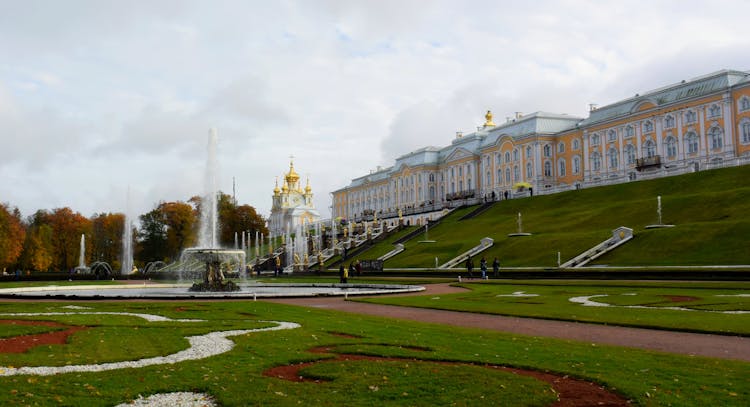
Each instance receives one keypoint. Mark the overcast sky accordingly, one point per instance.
(96, 96)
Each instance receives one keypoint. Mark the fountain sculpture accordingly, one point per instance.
(659, 223)
(520, 228)
(216, 263)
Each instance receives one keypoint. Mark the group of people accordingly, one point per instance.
(483, 267)
(344, 272)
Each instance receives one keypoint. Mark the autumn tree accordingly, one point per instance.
(12, 236)
(37, 248)
(106, 237)
(236, 219)
(67, 228)
(166, 231)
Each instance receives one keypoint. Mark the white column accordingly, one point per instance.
(728, 124)
(620, 146)
(703, 147)
(657, 128)
(537, 176)
(680, 145)
(586, 168)
(638, 152)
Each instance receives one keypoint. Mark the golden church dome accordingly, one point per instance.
(291, 177)
(308, 190)
(285, 188)
(276, 190)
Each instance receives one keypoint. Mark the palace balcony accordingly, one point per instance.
(647, 162)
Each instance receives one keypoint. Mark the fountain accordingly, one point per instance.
(520, 228)
(216, 263)
(426, 234)
(659, 223)
(127, 241)
(82, 269)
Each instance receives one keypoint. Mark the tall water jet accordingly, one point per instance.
(207, 238)
(82, 253)
(127, 240)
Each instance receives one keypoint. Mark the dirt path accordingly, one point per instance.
(717, 346)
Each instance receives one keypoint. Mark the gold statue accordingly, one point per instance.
(488, 118)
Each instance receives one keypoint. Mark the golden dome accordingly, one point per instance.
(276, 190)
(308, 190)
(285, 187)
(291, 177)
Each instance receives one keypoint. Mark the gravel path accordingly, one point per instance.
(718, 346)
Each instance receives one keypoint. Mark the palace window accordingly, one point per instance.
(596, 161)
(515, 155)
(516, 174)
(547, 150)
(487, 161)
(649, 149)
(561, 168)
(648, 126)
(460, 185)
(576, 165)
(668, 121)
(561, 147)
(690, 116)
(611, 135)
(612, 158)
(498, 159)
(714, 111)
(745, 131)
(630, 154)
(528, 171)
(547, 169)
(744, 103)
(460, 171)
(487, 180)
(716, 137)
(507, 175)
(576, 145)
(692, 142)
(595, 140)
(507, 157)
(528, 152)
(629, 131)
(671, 143)
(499, 176)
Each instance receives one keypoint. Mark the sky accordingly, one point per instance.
(98, 98)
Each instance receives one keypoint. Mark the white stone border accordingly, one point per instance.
(201, 346)
(181, 399)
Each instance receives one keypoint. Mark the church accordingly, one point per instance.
(292, 206)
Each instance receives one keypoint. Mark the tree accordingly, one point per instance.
(67, 228)
(236, 219)
(152, 237)
(37, 248)
(12, 236)
(106, 237)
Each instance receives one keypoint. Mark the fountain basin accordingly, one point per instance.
(180, 291)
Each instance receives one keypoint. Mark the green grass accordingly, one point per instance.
(10, 330)
(235, 378)
(709, 209)
(553, 302)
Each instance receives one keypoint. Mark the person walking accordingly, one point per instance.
(470, 267)
(483, 267)
(358, 266)
(341, 273)
(495, 267)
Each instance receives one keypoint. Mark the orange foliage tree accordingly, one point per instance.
(12, 235)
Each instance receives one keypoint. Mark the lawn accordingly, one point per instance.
(685, 306)
(413, 375)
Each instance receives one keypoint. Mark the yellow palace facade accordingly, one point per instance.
(689, 126)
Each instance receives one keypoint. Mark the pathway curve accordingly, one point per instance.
(717, 346)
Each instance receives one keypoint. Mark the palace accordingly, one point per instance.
(291, 206)
(689, 126)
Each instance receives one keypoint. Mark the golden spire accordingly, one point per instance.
(285, 188)
(308, 190)
(292, 177)
(276, 190)
(488, 118)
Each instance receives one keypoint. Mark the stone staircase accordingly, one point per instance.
(484, 244)
(620, 236)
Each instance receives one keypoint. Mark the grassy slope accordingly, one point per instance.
(710, 210)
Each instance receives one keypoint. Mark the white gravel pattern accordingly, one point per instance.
(147, 317)
(201, 346)
(518, 294)
(587, 302)
(180, 399)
